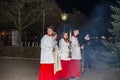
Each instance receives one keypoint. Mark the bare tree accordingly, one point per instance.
(24, 13)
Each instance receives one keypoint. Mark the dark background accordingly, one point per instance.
(85, 6)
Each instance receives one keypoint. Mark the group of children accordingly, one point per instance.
(63, 62)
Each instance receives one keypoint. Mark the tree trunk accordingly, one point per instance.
(20, 41)
(19, 38)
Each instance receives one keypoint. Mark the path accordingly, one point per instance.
(20, 69)
(28, 70)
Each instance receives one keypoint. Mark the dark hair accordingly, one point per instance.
(64, 33)
(75, 29)
(49, 27)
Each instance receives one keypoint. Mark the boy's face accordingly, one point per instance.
(65, 35)
(49, 31)
(76, 32)
(87, 35)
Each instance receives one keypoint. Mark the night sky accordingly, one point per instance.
(98, 12)
(85, 6)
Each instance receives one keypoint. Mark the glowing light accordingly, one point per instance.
(64, 16)
(3, 33)
(103, 37)
(96, 37)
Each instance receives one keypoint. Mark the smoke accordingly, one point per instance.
(97, 26)
(99, 20)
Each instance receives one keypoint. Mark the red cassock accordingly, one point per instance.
(75, 69)
(65, 72)
(46, 72)
(57, 75)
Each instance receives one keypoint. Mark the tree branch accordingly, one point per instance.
(10, 16)
(34, 20)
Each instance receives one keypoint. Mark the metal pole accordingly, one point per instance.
(64, 26)
(43, 21)
(83, 64)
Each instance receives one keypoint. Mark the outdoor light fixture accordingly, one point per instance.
(64, 17)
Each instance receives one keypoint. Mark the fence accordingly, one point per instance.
(30, 44)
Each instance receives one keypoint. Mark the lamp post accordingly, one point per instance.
(43, 21)
(64, 17)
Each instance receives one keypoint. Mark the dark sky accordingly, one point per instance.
(85, 6)
(98, 12)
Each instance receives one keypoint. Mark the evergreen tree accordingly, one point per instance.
(113, 55)
(116, 21)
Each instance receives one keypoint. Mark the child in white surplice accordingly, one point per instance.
(75, 71)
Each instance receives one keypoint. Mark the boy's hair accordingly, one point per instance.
(49, 27)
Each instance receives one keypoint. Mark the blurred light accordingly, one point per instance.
(103, 37)
(115, 49)
(64, 16)
(3, 33)
(96, 37)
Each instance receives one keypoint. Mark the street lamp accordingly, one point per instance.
(64, 17)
